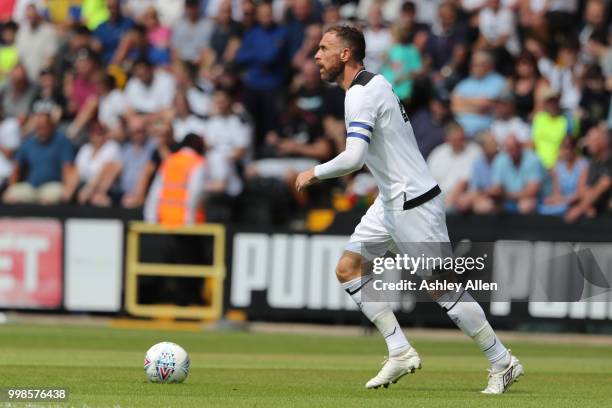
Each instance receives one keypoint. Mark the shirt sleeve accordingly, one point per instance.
(497, 171)
(360, 113)
(534, 170)
(66, 152)
(350, 160)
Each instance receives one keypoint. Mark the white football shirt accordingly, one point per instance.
(374, 113)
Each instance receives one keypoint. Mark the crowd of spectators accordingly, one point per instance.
(509, 99)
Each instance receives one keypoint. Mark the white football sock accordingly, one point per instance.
(380, 314)
(470, 318)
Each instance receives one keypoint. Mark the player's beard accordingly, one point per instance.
(332, 73)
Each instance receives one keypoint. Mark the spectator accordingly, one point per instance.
(111, 106)
(90, 161)
(568, 178)
(428, 123)
(199, 100)
(164, 147)
(185, 122)
(309, 47)
(17, 95)
(226, 34)
(79, 38)
(169, 11)
(506, 122)
(49, 99)
(402, 64)
(563, 74)
(390, 9)
(378, 39)
(517, 177)
(473, 99)
(37, 43)
(227, 131)
(301, 15)
(595, 197)
(149, 90)
(263, 53)
(595, 99)
(498, 34)
(192, 34)
(476, 197)
(110, 33)
(176, 193)
(9, 54)
(549, 129)
(595, 30)
(9, 142)
(81, 91)
(526, 84)
(446, 47)
(134, 156)
(44, 162)
(158, 38)
(451, 163)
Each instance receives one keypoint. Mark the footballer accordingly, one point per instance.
(408, 209)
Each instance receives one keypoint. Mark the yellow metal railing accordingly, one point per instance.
(213, 275)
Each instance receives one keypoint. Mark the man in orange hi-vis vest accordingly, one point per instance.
(175, 197)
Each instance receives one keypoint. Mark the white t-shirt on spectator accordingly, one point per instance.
(494, 24)
(168, 11)
(226, 133)
(89, 164)
(36, 47)
(390, 9)
(9, 139)
(151, 99)
(111, 108)
(221, 168)
(19, 9)
(449, 168)
(562, 80)
(191, 124)
(377, 43)
(199, 101)
(515, 126)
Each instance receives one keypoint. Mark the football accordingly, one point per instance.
(166, 362)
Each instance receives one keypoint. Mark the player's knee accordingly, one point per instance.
(348, 268)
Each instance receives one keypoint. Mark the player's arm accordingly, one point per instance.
(361, 112)
(350, 160)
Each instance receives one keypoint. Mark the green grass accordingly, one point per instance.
(103, 368)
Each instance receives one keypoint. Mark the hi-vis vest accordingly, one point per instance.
(175, 173)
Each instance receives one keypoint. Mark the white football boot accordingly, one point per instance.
(395, 368)
(501, 380)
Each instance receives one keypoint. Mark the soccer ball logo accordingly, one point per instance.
(166, 363)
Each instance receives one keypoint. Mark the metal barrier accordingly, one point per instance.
(213, 274)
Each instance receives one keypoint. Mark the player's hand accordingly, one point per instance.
(305, 179)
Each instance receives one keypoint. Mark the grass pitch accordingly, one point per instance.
(102, 367)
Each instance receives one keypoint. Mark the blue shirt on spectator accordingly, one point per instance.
(134, 158)
(514, 179)
(264, 53)
(482, 174)
(44, 162)
(109, 34)
(489, 86)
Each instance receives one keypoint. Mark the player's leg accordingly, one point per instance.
(427, 223)
(350, 276)
(370, 240)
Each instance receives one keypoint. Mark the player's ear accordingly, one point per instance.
(345, 54)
